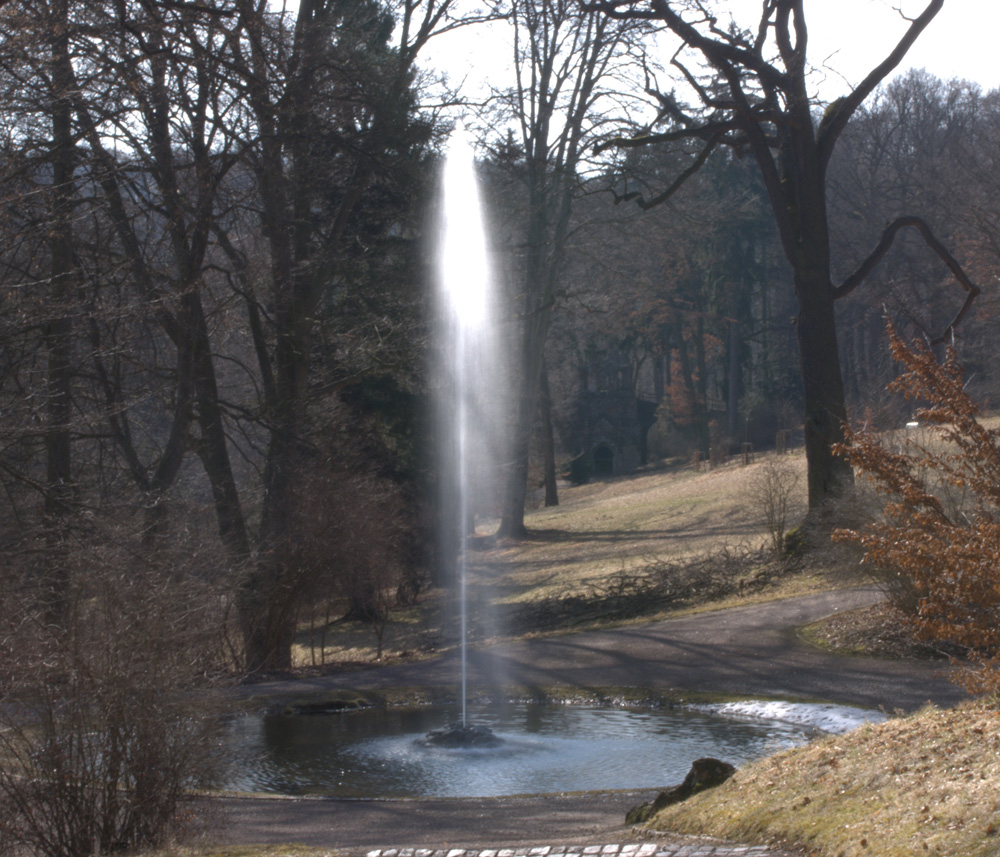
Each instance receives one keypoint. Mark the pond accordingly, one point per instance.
(546, 748)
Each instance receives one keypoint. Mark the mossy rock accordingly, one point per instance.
(705, 774)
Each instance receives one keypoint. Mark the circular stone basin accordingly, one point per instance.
(545, 748)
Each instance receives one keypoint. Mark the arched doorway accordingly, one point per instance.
(604, 460)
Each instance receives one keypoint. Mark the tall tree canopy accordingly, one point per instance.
(760, 104)
(568, 69)
(191, 195)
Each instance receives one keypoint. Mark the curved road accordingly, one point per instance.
(753, 650)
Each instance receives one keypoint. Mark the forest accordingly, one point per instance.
(216, 268)
(216, 265)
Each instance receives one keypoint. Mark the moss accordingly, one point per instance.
(795, 543)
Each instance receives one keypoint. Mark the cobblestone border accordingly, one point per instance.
(630, 850)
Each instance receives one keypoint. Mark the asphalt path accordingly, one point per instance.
(355, 826)
(752, 651)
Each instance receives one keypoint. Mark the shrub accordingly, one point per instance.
(101, 739)
(354, 557)
(940, 530)
(769, 491)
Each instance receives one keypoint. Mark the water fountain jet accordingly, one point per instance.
(471, 368)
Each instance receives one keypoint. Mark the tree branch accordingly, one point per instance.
(678, 183)
(837, 118)
(717, 51)
(888, 236)
(710, 131)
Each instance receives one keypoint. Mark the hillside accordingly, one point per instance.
(625, 549)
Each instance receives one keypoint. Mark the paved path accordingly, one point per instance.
(701, 848)
(750, 650)
(582, 825)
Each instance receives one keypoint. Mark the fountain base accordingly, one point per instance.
(461, 735)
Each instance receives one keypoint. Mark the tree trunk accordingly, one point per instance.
(58, 329)
(516, 491)
(213, 448)
(537, 316)
(822, 387)
(267, 610)
(697, 418)
(735, 381)
(548, 442)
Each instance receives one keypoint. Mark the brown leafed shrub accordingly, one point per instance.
(941, 524)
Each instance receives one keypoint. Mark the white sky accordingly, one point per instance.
(849, 37)
(854, 35)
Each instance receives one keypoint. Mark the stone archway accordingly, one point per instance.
(604, 460)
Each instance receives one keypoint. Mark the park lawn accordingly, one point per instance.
(927, 784)
(599, 530)
(922, 785)
(675, 514)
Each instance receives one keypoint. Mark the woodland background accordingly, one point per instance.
(216, 265)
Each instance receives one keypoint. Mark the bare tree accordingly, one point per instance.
(566, 63)
(333, 108)
(927, 145)
(186, 338)
(761, 105)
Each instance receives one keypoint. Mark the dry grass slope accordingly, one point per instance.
(602, 532)
(928, 784)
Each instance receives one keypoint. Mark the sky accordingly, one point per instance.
(854, 35)
(848, 37)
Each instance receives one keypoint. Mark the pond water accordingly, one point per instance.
(546, 748)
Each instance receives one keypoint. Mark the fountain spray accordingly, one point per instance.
(465, 287)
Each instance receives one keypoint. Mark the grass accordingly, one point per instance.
(600, 532)
(928, 784)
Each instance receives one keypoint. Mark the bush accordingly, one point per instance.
(100, 737)
(770, 490)
(940, 530)
(354, 558)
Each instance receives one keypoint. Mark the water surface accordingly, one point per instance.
(547, 748)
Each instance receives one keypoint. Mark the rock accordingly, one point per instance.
(459, 735)
(704, 774)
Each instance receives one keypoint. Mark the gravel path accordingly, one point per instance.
(752, 650)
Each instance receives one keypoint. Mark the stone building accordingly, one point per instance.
(610, 421)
